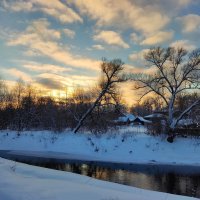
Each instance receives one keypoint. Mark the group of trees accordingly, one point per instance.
(174, 81)
(23, 108)
(177, 72)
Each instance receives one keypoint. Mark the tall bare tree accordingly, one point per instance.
(18, 91)
(176, 71)
(111, 75)
(3, 93)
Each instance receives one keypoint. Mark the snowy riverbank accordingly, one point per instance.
(129, 145)
(24, 182)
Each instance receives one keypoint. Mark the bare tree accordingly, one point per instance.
(111, 75)
(176, 71)
(3, 94)
(18, 91)
(78, 104)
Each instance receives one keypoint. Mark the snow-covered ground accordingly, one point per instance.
(23, 182)
(129, 145)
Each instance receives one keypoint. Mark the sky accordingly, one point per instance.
(59, 44)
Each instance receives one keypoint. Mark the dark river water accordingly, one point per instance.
(182, 180)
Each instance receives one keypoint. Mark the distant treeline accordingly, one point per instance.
(23, 108)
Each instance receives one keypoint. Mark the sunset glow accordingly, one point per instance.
(59, 44)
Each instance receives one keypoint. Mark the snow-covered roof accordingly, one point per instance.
(130, 116)
(143, 120)
(186, 122)
(154, 115)
(126, 117)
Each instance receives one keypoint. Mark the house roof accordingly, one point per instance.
(187, 122)
(143, 120)
(126, 117)
(157, 115)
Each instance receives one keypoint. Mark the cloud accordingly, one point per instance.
(158, 38)
(53, 8)
(138, 55)
(41, 27)
(50, 83)
(18, 6)
(60, 80)
(169, 5)
(189, 23)
(18, 74)
(65, 81)
(183, 3)
(84, 80)
(143, 17)
(138, 59)
(59, 11)
(183, 43)
(137, 70)
(38, 67)
(98, 47)
(111, 38)
(38, 31)
(70, 33)
(136, 38)
(44, 44)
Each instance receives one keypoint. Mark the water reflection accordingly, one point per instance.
(170, 182)
(181, 180)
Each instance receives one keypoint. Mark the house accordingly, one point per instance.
(125, 119)
(155, 116)
(129, 118)
(189, 123)
(141, 120)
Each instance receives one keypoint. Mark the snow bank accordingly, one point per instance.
(128, 145)
(24, 182)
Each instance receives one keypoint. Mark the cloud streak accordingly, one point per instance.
(189, 23)
(18, 74)
(54, 8)
(143, 17)
(111, 38)
(39, 67)
(158, 38)
(70, 33)
(44, 43)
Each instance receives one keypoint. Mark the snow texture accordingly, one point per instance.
(112, 147)
(24, 182)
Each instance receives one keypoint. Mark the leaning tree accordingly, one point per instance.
(110, 77)
(176, 71)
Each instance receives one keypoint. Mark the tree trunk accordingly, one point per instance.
(171, 110)
(89, 111)
(175, 121)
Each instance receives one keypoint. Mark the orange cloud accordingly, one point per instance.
(18, 74)
(143, 17)
(70, 33)
(98, 47)
(111, 38)
(189, 23)
(44, 43)
(53, 8)
(38, 67)
(158, 38)
(183, 43)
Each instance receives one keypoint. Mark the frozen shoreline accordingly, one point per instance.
(20, 181)
(25, 182)
(123, 147)
(78, 157)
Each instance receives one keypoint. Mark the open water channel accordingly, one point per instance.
(182, 180)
